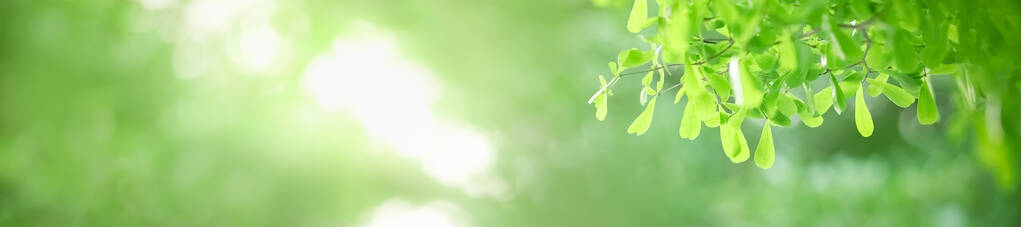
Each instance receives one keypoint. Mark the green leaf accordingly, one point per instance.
(841, 97)
(735, 146)
(743, 154)
(727, 11)
(690, 124)
(719, 84)
(934, 34)
(876, 85)
(780, 119)
(633, 57)
(898, 96)
(706, 107)
(680, 94)
(928, 113)
(677, 32)
(809, 119)
(764, 152)
(878, 56)
(644, 120)
(650, 91)
(601, 106)
(823, 100)
(788, 53)
(751, 87)
(844, 47)
(613, 69)
(787, 105)
(639, 15)
(600, 101)
(862, 117)
(905, 58)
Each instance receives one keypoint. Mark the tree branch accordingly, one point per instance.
(710, 58)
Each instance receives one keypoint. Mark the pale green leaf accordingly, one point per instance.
(862, 117)
(690, 124)
(644, 120)
(840, 95)
(787, 105)
(633, 57)
(734, 144)
(877, 84)
(898, 95)
(680, 94)
(764, 153)
(788, 53)
(928, 113)
(677, 32)
(639, 15)
(823, 100)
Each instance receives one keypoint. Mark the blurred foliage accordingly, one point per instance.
(145, 114)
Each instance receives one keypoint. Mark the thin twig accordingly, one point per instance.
(669, 88)
(717, 54)
(714, 56)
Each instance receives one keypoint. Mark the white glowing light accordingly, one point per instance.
(400, 213)
(259, 47)
(735, 80)
(157, 4)
(852, 24)
(392, 98)
(207, 15)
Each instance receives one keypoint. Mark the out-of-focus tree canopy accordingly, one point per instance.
(429, 113)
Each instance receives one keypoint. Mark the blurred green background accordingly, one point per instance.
(413, 113)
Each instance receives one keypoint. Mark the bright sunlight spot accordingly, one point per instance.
(392, 97)
(399, 213)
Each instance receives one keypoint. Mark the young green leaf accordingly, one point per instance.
(934, 34)
(898, 95)
(743, 154)
(823, 100)
(845, 49)
(734, 144)
(787, 105)
(680, 94)
(600, 104)
(905, 59)
(809, 119)
(764, 152)
(928, 113)
(878, 56)
(639, 15)
(727, 11)
(705, 107)
(876, 85)
(839, 93)
(862, 117)
(788, 53)
(677, 31)
(747, 88)
(644, 120)
(719, 85)
(690, 125)
(633, 57)
(600, 100)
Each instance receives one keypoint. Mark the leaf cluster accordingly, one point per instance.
(786, 61)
